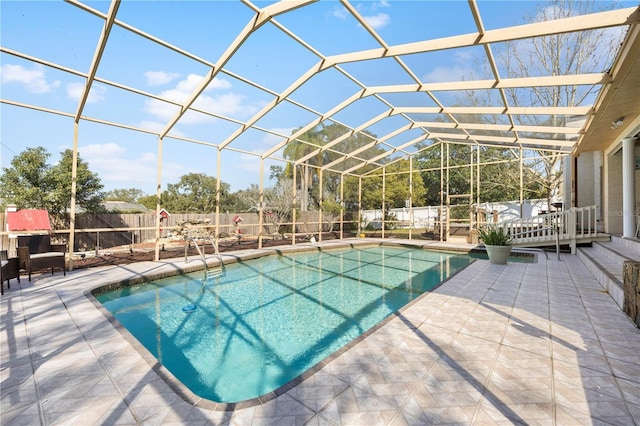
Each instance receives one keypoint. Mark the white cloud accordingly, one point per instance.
(219, 84)
(158, 126)
(186, 87)
(378, 5)
(368, 12)
(373, 16)
(340, 12)
(101, 150)
(251, 163)
(157, 78)
(96, 94)
(155, 126)
(440, 74)
(378, 21)
(228, 103)
(33, 80)
(117, 170)
(271, 140)
(459, 71)
(463, 56)
(160, 110)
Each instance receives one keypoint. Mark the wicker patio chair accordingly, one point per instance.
(35, 253)
(9, 269)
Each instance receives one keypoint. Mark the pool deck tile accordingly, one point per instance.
(537, 343)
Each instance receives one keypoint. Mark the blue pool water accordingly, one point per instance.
(266, 321)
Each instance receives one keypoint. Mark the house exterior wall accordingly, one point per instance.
(585, 184)
(598, 181)
(597, 186)
(613, 185)
(637, 180)
(568, 181)
(584, 187)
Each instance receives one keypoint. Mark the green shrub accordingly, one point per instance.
(494, 236)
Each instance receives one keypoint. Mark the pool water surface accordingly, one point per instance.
(265, 321)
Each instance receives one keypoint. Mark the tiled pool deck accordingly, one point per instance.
(523, 343)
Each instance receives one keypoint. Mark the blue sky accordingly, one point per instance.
(64, 34)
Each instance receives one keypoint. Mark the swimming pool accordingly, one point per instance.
(268, 320)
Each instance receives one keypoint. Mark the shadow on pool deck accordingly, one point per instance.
(529, 343)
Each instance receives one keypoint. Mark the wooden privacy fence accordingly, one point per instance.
(106, 230)
(111, 230)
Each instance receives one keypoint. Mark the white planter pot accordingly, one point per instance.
(498, 254)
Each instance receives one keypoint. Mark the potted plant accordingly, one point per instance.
(497, 242)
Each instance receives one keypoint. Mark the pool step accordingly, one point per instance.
(213, 273)
(605, 260)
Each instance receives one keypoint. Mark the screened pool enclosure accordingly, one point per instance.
(344, 101)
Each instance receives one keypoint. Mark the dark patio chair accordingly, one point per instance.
(35, 252)
(9, 269)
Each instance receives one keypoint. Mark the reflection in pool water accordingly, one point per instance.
(267, 320)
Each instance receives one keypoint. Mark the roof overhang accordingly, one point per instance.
(618, 100)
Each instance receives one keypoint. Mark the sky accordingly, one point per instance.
(64, 34)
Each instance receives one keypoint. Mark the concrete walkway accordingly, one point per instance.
(533, 343)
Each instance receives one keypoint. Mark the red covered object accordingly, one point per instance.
(28, 220)
(163, 214)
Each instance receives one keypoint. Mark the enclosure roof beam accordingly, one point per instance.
(504, 83)
(505, 139)
(499, 127)
(571, 111)
(97, 56)
(363, 148)
(591, 21)
(344, 136)
(412, 142)
(262, 17)
(346, 102)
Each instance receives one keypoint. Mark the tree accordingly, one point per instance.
(499, 180)
(559, 54)
(298, 148)
(130, 195)
(149, 201)
(397, 186)
(31, 183)
(233, 202)
(278, 202)
(89, 195)
(248, 199)
(27, 183)
(396, 189)
(308, 178)
(277, 173)
(194, 192)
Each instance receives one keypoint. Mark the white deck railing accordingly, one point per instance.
(562, 227)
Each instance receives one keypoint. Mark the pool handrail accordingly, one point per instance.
(202, 255)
